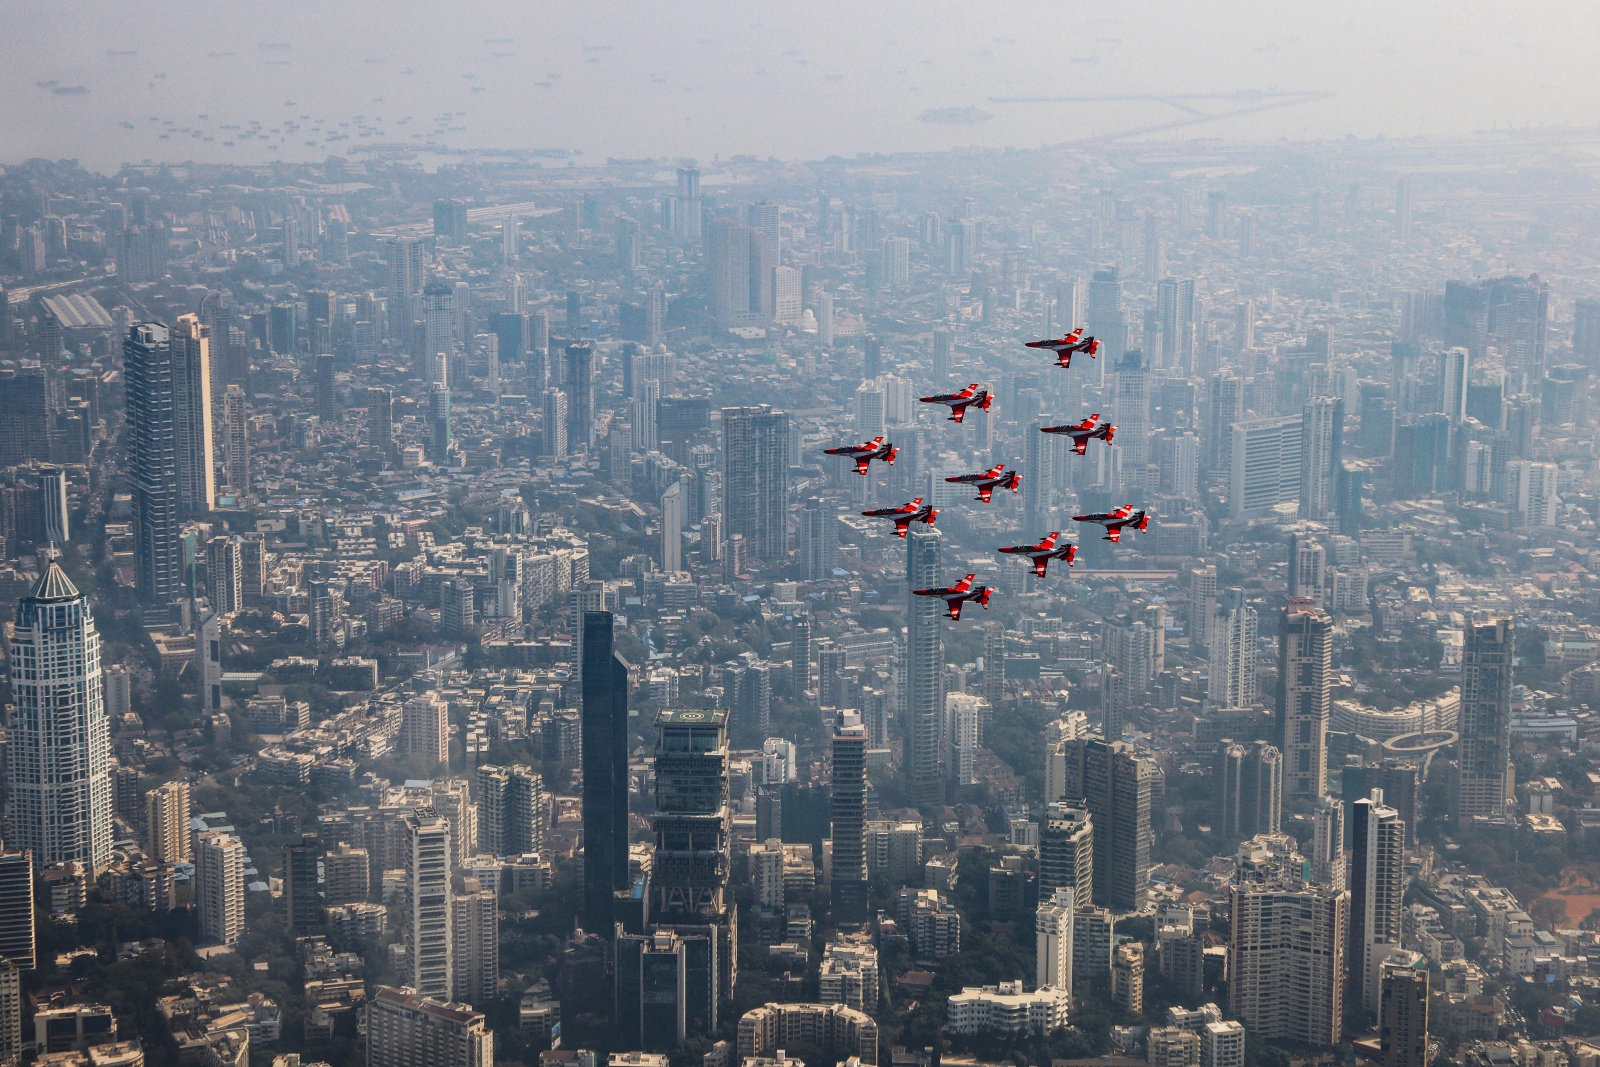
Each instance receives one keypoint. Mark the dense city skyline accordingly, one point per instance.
(1132, 597)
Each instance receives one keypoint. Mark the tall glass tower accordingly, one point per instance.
(59, 750)
(605, 772)
(153, 463)
(924, 667)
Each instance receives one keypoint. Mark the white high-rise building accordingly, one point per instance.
(408, 1030)
(555, 424)
(1377, 893)
(965, 714)
(1286, 959)
(786, 295)
(219, 887)
(1321, 456)
(766, 875)
(58, 751)
(1052, 926)
(1265, 465)
(1531, 492)
(1222, 1044)
(430, 932)
(425, 728)
(167, 821)
(870, 409)
(1232, 681)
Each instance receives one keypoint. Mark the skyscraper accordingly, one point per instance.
(1265, 460)
(1066, 851)
(1455, 371)
(924, 668)
(1248, 780)
(1327, 843)
(440, 433)
(10, 1006)
(1305, 694)
(1232, 679)
(1106, 319)
(475, 917)
(1377, 894)
(555, 423)
(430, 941)
(579, 387)
(1175, 310)
(224, 575)
(191, 391)
(848, 820)
(1403, 1010)
(1321, 456)
(1483, 779)
(1052, 926)
(510, 810)
(1133, 417)
(380, 419)
(425, 729)
(302, 885)
(58, 750)
(18, 940)
(219, 887)
(167, 822)
(1131, 655)
(944, 344)
(818, 540)
(755, 479)
(1114, 785)
(236, 442)
(153, 462)
(605, 771)
(728, 273)
(689, 895)
(405, 1028)
(1286, 959)
(405, 285)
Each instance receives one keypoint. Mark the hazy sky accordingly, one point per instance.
(798, 80)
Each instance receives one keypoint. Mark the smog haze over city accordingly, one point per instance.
(799, 535)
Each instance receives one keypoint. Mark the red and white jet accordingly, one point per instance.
(864, 454)
(1064, 347)
(1084, 432)
(990, 480)
(1116, 521)
(905, 515)
(956, 595)
(958, 403)
(1042, 553)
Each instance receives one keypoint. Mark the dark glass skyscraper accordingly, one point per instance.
(580, 396)
(302, 884)
(1114, 785)
(153, 463)
(849, 815)
(605, 771)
